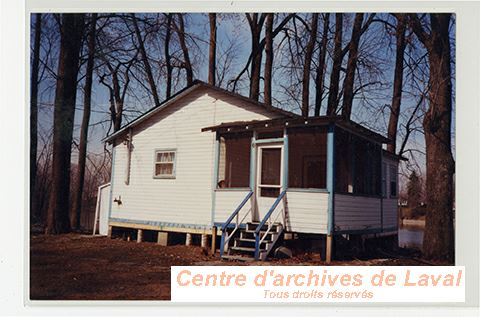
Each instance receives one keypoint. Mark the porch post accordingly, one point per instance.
(285, 160)
(331, 189)
(216, 160)
(253, 160)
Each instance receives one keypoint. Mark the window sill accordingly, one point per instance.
(307, 190)
(165, 177)
(236, 189)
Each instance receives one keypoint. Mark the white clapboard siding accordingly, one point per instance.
(307, 212)
(356, 212)
(226, 201)
(390, 209)
(187, 199)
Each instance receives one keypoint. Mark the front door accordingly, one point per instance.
(269, 178)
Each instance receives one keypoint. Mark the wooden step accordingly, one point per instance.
(244, 249)
(238, 258)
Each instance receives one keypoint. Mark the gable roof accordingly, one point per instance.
(185, 91)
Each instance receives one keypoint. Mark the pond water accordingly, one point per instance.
(410, 237)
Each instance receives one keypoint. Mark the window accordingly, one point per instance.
(393, 181)
(234, 161)
(165, 164)
(307, 157)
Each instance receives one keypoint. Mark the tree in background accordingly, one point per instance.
(34, 112)
(414, 190)
(438, 239)
(82, 147)
(212, 52)
(71, 35)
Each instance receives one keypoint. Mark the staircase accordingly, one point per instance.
(243, 248)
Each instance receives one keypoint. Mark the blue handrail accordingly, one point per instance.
(229, 220)
(264, 220)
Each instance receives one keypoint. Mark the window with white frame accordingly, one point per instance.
(165, 163)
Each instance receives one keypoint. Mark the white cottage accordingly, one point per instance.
(209, 159)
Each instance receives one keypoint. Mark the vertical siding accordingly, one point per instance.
(226, 201)
(307, 212)
(186, 199)
(356, 213)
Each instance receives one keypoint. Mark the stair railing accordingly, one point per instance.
(225, 236)
(258, 238)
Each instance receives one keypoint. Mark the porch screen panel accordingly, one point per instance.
(357, 164)
(234, 161)
(307, 157)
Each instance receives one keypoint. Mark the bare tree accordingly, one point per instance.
(82, 148)
(307, 63)
(255, 21)
(34, 111)
(321, 67)
(336, 66)
(71, 31)
(349, 81)
(397, 82)
(168, 58)
(146, 62)
(267, 73)
(212, 53)
(438, 240)
(187, 64)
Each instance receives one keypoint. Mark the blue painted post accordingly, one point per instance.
(257, 246)
(253, 154)
(253, 168)
(330, 188)
(285, 160)
(215, 175)
(381, 187)
(330, 175)
(222, 242)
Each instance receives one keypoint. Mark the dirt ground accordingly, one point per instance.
(83, 267)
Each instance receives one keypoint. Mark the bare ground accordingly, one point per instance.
(82, 267)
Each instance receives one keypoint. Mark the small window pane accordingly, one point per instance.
(271, 159)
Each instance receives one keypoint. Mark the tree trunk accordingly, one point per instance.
(146, 62)
(320, 74)
(306, 65)
(82, 149)
(65, 96)
(168, 61)
(267, 74)
(336, 66)
(34, 114)
(256, 25)
(349, 81)
(213, 48)
(397, 83)
(438, 240)
(186, 56)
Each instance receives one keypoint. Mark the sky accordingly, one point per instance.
(233, 32)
